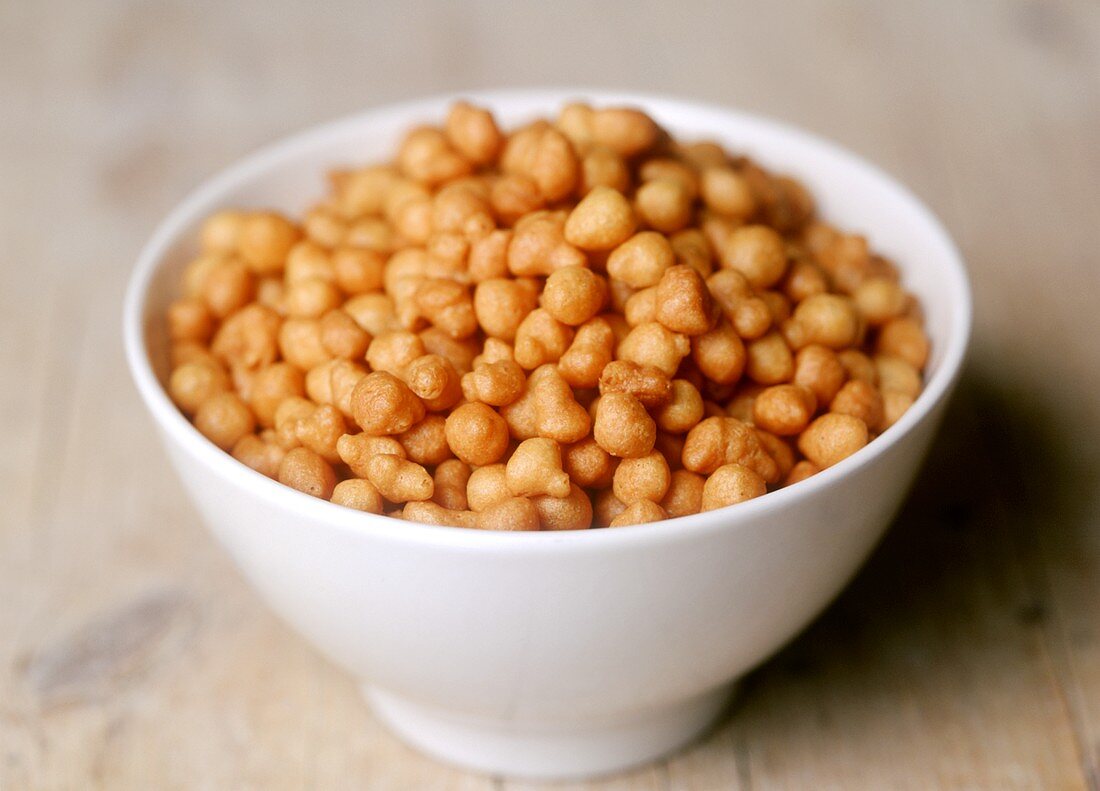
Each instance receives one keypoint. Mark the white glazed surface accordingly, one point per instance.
(558, 654)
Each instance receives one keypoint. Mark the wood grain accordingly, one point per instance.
(965, 655)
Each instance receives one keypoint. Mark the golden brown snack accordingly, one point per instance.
(451, 479)
(639, 513)
(431, 513)
(819, 369)
(685, 493)
(769, 360)
(588, 465)
(398, 479)
(578, 322)
(495, 383)
(622, 426)
(832, 438)
(603, 167)
(643, 478)
(641, 260)
(904, 338)
(718, 441)
(434, 380)
(654, 344)
(355, 450)
(682, 410)
(683, 302)
(270, 387)
(189, 319)
(264, 457)
(358, 494)
(514, 513)
(603, 220)
(573, 294)
(801, 471)
(426, 442)
(726, 191)
(649, 385)
(383, 404)
(224, 418)
(304, 470)
(535, 468)
(605, 507)
(501, 304)
(664, 204)
(573, 512)
(193, 383)
(473, 132)
(544, 155)
(731, 484)
(829, 319)
(487, 486)
(860, 399)
(784, 409)
(592, 349)
(477, 434)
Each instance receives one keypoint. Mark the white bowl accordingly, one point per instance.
(557, 654)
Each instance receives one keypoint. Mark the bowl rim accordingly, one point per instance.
(173, 423)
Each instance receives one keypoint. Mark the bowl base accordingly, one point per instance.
(547, 753)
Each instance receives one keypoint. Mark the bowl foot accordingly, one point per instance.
(546, 752)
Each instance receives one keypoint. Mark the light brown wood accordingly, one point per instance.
(965, 655)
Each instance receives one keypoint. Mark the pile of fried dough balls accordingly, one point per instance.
(579, 323)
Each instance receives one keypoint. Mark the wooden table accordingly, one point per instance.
(966, 654)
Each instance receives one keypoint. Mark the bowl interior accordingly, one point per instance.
(849, 193)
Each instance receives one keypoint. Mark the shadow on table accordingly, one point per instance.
(961, 580)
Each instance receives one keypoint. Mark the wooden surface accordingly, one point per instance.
(965, 655)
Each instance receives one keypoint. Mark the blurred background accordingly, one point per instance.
(967, 653)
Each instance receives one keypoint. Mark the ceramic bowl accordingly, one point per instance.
(557, 654)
